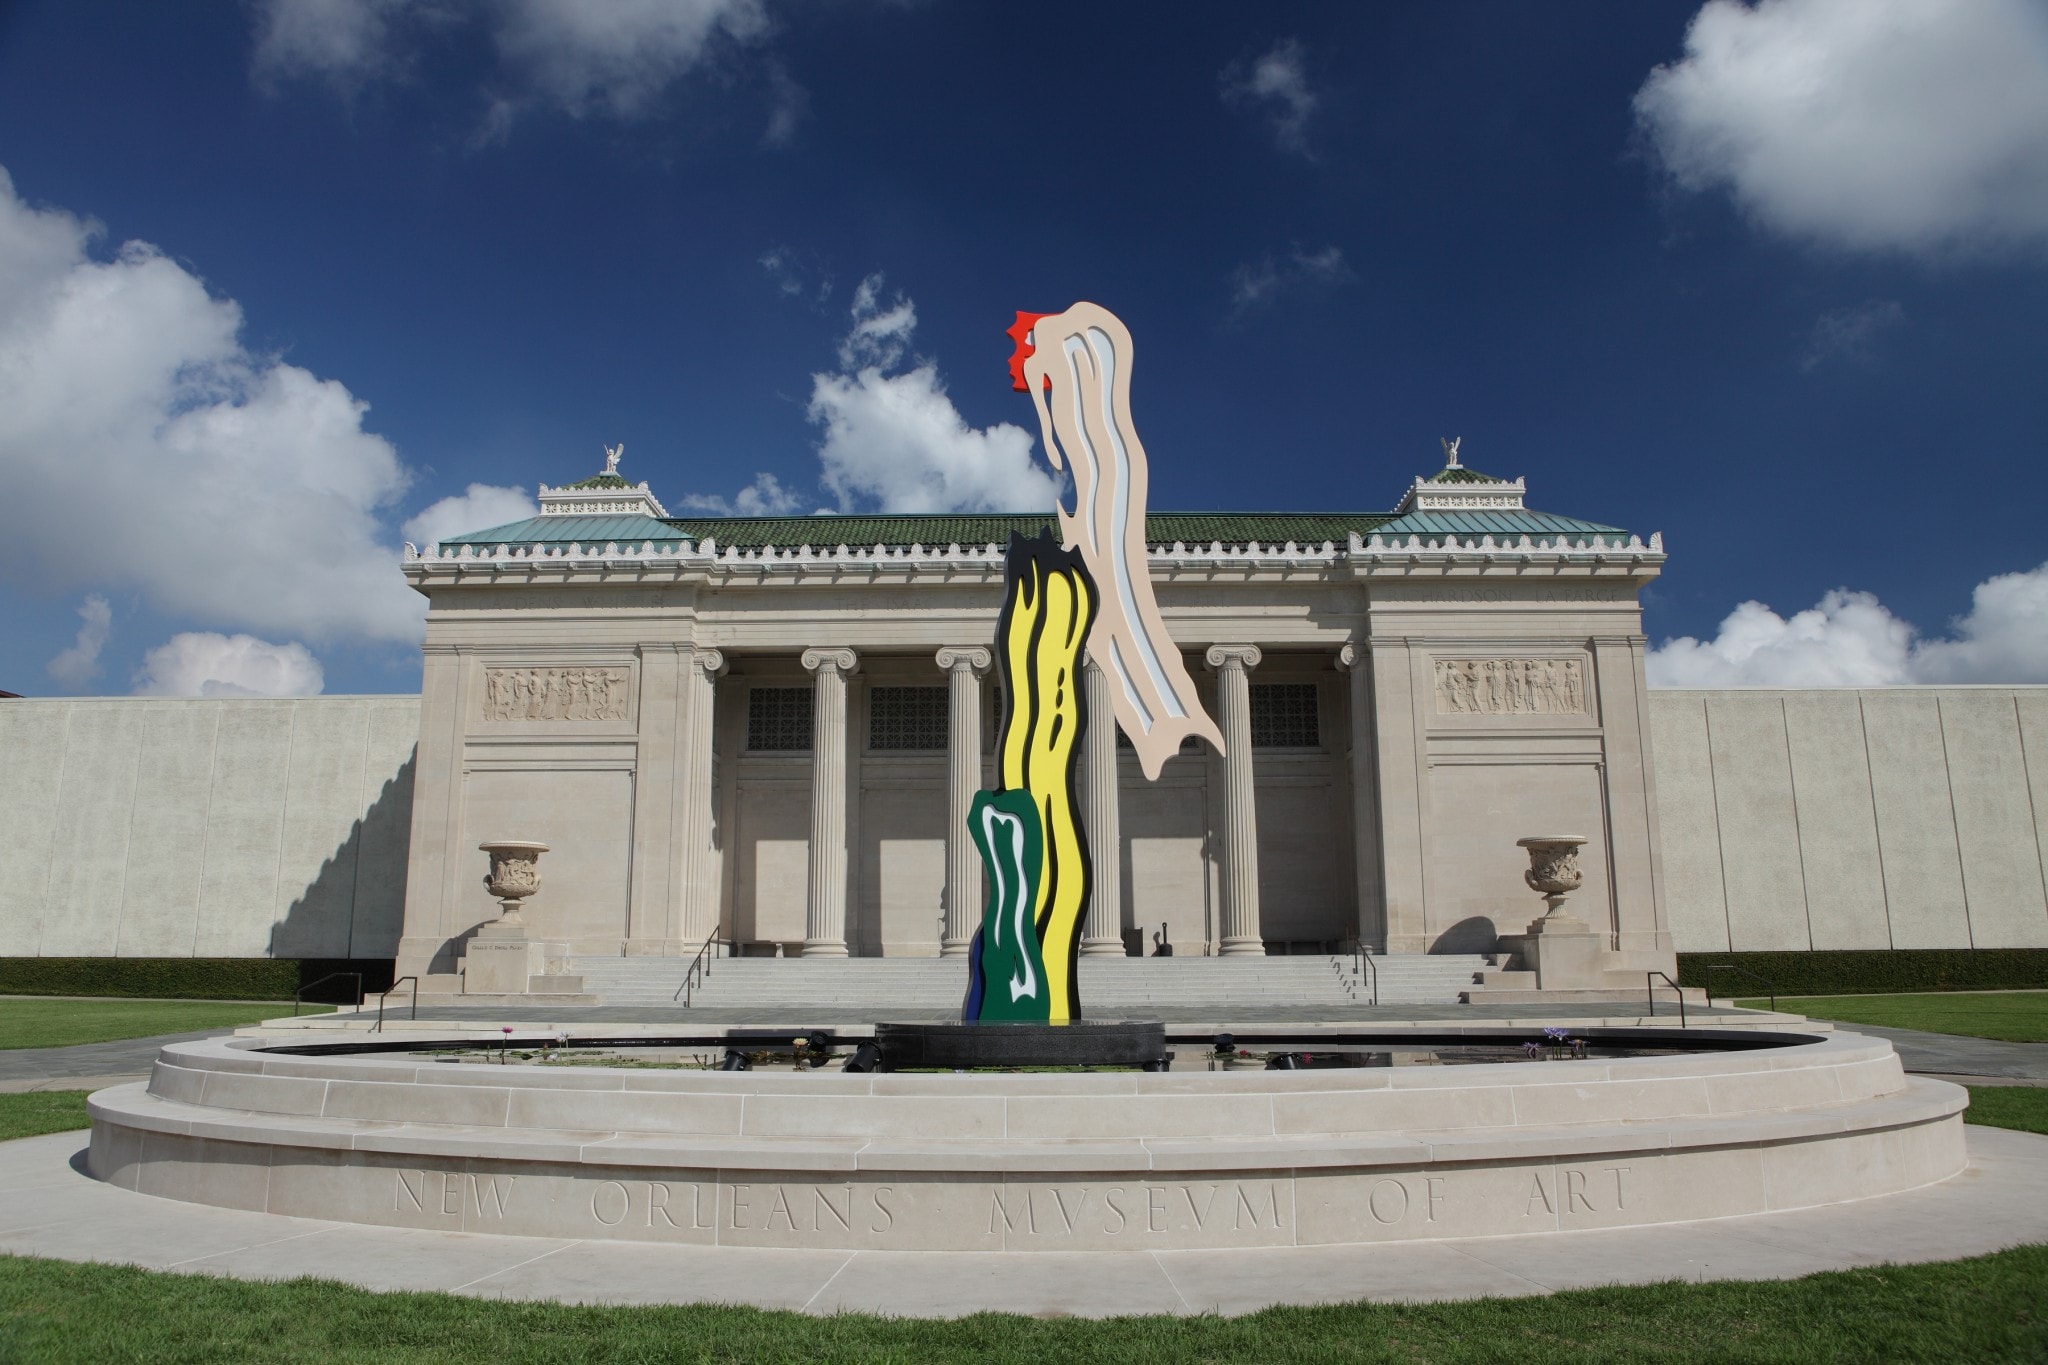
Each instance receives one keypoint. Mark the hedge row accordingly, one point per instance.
(189, 978)
(1862, 971)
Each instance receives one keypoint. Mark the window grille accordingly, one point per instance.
(779, 719)
(1284, 716)
(907, 718)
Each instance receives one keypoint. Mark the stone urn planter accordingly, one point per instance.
(515, 875)
(1553, 867)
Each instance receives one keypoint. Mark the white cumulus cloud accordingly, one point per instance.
(203, 664)
(218, 482)
(343, 41)
(1276, 83)
(609, 57)
(1850, 334)
(145, 448)
(764, 497)
(1851, 639)
(1259, 282)
(79, 662)
(617, 56)
(1882, 125)
(479, 507)
(894, 442)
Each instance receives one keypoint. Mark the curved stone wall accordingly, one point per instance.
(1028, 1162)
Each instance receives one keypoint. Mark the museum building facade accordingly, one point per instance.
(768, 730)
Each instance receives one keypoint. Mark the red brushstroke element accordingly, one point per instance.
(1020, 332)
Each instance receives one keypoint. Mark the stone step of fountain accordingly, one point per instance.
(1106, 982)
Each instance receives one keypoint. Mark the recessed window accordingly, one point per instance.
(1284, 716)
(779, 719)
(907, 718)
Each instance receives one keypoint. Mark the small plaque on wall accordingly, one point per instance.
(1510, 687)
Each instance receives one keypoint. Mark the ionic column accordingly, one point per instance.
(964, 665)
(1240, 803)
(700, 880)
(1365, 800)
(825, 913)
(1102, 935)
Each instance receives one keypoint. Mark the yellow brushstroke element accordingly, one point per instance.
(1045, 625)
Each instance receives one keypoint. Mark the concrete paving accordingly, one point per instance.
(71, 1068)
(49, 1207)
(1952, 1056)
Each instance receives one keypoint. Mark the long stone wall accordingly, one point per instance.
(1892, 818)
(1847, 818)
(204, 828)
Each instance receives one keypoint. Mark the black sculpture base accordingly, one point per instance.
(967, 1047)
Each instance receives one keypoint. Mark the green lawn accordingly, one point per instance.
(42, 1111)
(1991, 1308)
(62, 1023)
(2024, 1107)
(2010, 1016)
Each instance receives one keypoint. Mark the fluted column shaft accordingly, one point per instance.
(1233, 664)
(964, 665)
(1103, 934)
(700, 879)
(1365, 801)
(825, 909)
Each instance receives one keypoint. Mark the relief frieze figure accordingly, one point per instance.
(1510, 687)
(555, 693)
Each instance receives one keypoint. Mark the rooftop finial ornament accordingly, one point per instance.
(1450, 445)
(611, 457)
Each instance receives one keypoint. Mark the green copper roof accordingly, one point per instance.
(601, 481)
(1161, 528)
(937, 532)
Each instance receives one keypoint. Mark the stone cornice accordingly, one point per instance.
(634, 500)
(1493, 495)
(707, 561)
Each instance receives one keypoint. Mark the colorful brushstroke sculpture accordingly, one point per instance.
(1076, 366)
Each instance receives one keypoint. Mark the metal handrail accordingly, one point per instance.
(382, 996)
(1768, 984)
(1369, 972)
(1650, 988)
(299, 995)
(699, 969)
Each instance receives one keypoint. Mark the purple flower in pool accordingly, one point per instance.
(1532, 1049)
(1557, 1035)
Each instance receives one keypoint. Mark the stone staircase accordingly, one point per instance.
(934, 986)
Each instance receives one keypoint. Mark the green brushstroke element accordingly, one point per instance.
(1006, 832)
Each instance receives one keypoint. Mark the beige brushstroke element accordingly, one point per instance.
(1085, 419)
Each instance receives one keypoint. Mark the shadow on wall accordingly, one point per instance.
(354, 907)
(1475, 934)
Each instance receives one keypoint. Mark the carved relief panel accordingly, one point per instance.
(1511, 687)
(534, 694)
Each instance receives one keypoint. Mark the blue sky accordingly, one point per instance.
(284, 282)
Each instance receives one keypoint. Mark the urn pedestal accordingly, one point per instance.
(1564, 951)
(503, 958)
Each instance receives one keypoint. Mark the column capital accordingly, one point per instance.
(1352, 655)
(839, 660)
(712, 661)
(953, 658)
(1246, 657)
